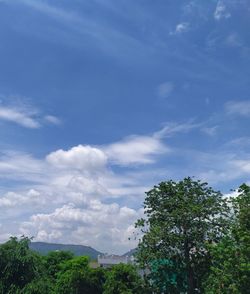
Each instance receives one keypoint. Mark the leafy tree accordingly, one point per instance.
(18, 265)
(38, 286)
(76, 277)
(230, 268)
(53, 261)
(123, 279)
(182, 218)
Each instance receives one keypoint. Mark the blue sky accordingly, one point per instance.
(102, 99)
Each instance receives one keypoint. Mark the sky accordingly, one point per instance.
(101, 100)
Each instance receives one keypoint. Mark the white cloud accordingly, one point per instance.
(107, 38)
(23, 167)
(81, 157)
(80, 196)
(19, 116)
(106, 227)
(52, 119)
(53, 11)
(19, 110)
(234, 40)
(211, 131)
(12, 199)
(221, 11)
(135, 150)
(243, 165)
(164, 90)
(180, 28)
(172, 128)
(238, 107)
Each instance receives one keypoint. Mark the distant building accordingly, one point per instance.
(107, 261)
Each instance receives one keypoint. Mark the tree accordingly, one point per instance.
(76, 277)
(182, 218)
(40, 285)
(53, 261)
(230, 268)
(123, 279)
(18, 265)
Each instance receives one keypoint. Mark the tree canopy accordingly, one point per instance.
(230, 266)
(182, 218)
(123, 279)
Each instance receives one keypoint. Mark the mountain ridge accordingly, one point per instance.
(44, 248)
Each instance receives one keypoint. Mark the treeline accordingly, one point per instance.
(194, 240)
(23, 271)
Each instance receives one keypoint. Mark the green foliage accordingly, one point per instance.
(53, 261)
(182, 218)
(18, 265)
(38, 286)
(76, 277)
(230, 269)
(123, 279)
(168, 277)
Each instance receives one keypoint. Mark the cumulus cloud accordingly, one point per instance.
(80, 196)
(221, 11)
(12, 199)
(238, 107)
(103, 226)
(164, 90)
(70, 193)
(81, 157)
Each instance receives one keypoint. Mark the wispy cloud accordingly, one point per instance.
(135, 150)
(19, 116)
(20, 111)
(238, 107)
(107, 38)
(52, 119)
(211, 131)
(53, 11)
(165, 89)
(221, 11)
(172, 128)
(234, 40)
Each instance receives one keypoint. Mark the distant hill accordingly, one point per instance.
(130, 252)
(43, 248)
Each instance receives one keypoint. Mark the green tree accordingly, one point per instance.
(53, 262)
(230, 268)
(182, 218)
(18, 265)
(123, 279)
(41, 285)
(76, 277)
